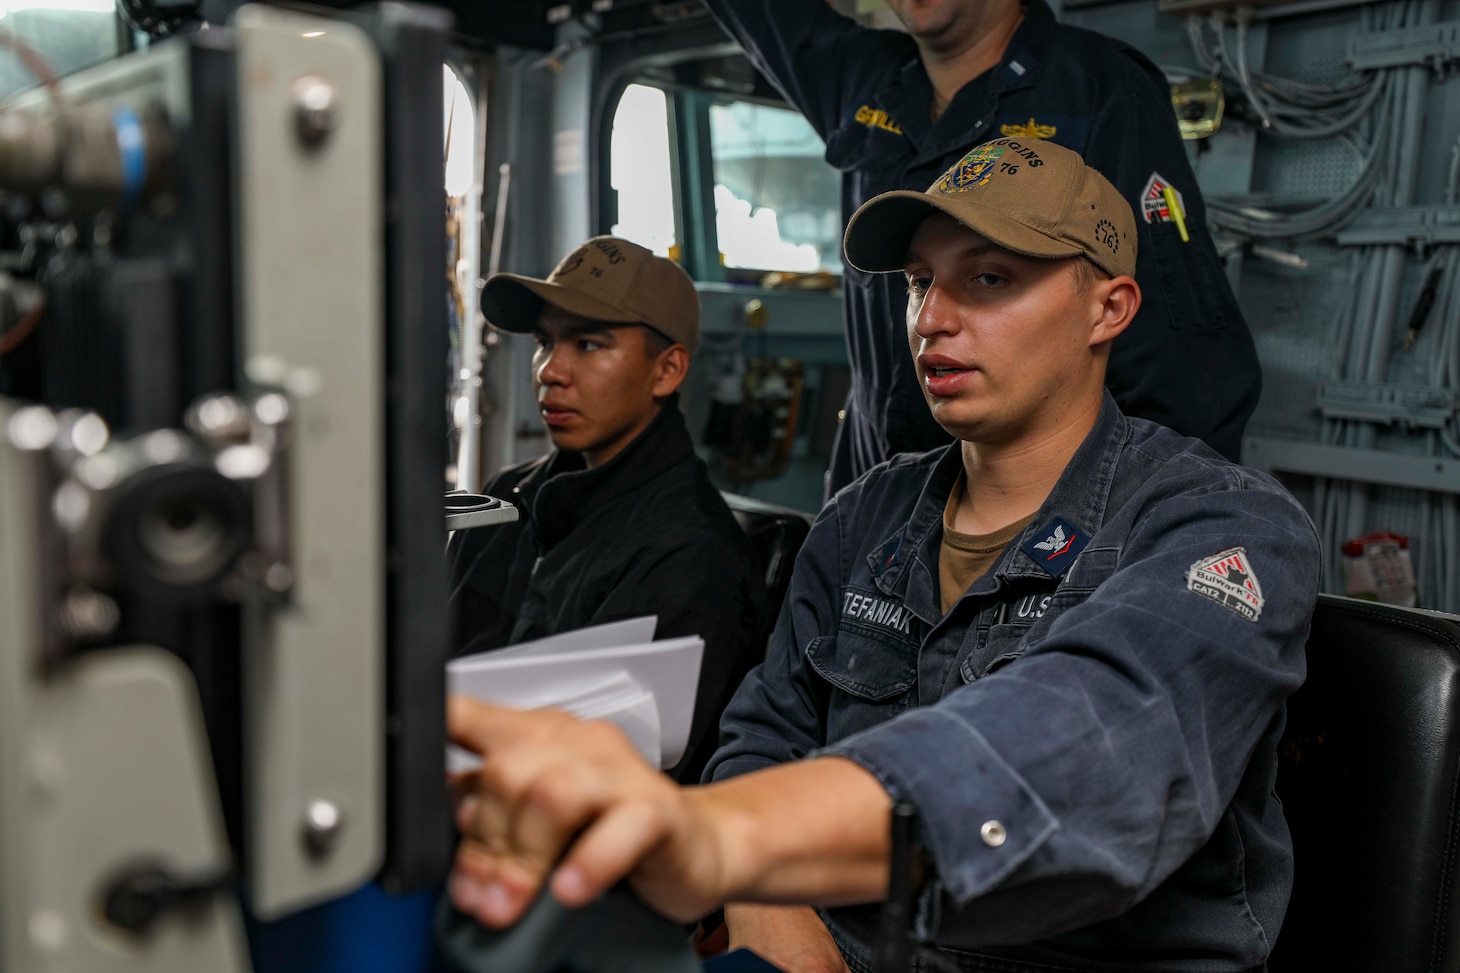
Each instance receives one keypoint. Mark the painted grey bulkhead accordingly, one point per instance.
(1357, 415)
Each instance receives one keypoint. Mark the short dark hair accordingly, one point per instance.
(1088, 271)
(656, 342)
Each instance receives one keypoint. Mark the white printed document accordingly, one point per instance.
(613, 672)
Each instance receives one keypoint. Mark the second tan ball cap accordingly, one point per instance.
(606, 279)
(1029, 196)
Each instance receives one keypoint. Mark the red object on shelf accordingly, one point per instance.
(1354, 546)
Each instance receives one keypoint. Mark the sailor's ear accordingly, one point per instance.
(670, 367)
(1114, 304)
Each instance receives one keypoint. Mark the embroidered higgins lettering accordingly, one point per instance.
(1023, 151)
(610, 250)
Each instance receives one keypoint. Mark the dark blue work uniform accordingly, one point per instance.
(1187, 360)
(1089, 733)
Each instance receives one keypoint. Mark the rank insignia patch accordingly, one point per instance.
(1071, 131)
(1227, 579)
(882, 559)
(1156, 200)
(1056, 546)
(972, 171)
(1028, 130)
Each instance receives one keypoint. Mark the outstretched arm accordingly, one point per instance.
(571, 804)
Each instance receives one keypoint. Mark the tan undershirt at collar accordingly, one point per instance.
(964, 558)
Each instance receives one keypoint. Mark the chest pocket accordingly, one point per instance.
(1030, 614)
(1004, 644)
(871, 679)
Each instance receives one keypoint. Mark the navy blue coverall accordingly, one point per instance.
(1187, 361)
(1089, 733)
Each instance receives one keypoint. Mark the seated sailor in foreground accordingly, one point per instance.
(1067, 639)
(620, 519)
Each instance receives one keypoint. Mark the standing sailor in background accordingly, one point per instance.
(896, 109)
(621, 519)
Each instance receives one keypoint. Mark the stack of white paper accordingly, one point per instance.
(613, 672)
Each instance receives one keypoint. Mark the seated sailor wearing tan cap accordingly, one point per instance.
(621, 518)
(1066, 639)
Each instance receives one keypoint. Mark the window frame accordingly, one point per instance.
(692, 171)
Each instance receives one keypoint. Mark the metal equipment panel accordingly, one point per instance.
(309, 186)
(86, 747)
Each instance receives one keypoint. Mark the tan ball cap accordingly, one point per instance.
(606, 279)
(1026, 195)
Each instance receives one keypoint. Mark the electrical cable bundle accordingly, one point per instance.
(1257, 223)
(1382, 117)
(1378, 114)
(1286, 107)
(1361, 110)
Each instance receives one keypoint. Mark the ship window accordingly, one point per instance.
(731, 187)
(67, 34)
(776, 199)
(639, 163)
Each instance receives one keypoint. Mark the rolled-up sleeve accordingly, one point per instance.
(1065, 787)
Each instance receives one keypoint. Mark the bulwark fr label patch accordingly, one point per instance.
(1157, 197)
(1227, 579)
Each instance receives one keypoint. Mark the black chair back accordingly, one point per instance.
(777, 533)
(1369, 777)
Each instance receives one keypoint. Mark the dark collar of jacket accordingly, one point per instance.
(909, 96)
(560, 491)
(906, 563)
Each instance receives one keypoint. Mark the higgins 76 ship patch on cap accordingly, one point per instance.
(972, 170)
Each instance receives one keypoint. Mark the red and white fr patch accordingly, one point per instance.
(1155, 205)
(1227, 578)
